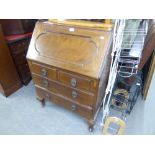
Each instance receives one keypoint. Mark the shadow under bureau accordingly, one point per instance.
(70, 65)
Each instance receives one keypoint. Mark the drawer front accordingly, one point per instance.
(19, 46)
(76, 81)
(70, 93)
(43, 71)
(87, 113)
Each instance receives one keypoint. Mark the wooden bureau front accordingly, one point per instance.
(70, 105)
(64, 77)
(75, 49)
(77, 81)
(68, 66)
(71, 86)
(65, 91)
(43, 70)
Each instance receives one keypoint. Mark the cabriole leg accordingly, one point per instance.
(42, 101)
(91, 125)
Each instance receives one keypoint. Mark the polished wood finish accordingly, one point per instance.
(77, 95)
(80, 82)
(45, 94)
(9, 79)
(70, 66)
(69, 56)
(149, 76)
(148, 50)
(106, 25)
(44, 70)
(149, 45)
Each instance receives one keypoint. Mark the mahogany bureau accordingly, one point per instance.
(70, 65)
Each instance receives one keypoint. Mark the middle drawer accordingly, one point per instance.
(76, 95)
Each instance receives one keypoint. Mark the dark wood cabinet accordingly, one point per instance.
(18, 48)
(17, 26)
(15, 38)
(9, 78)
(70, 65)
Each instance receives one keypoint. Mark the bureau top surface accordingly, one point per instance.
(73, 48)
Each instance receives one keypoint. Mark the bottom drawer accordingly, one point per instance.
(44, 94)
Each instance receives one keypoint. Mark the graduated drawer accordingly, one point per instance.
(68, 92)
(43, 71)
(83, 111)
(77, 81)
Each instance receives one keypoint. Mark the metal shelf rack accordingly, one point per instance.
(125, 58)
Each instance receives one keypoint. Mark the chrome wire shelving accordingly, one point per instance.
(131, 49)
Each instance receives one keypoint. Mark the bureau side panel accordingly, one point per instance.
(103, 80)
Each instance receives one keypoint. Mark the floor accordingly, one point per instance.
(21, 113)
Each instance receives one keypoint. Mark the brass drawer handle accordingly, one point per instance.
(73, 82)
(45, 83)
(43, 72)
(47, 96)
(73, 107)
(74, 94)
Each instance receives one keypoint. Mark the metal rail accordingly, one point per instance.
(126, 55)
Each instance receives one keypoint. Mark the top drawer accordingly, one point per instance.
(43, 70)
(77, 81)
